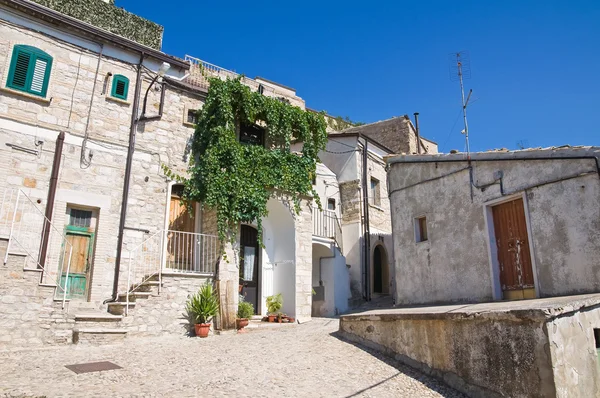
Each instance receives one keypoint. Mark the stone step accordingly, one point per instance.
(147, 286)
(119, 308)
(97, 317)
(134, 296)
(97, 335)
(33, 270)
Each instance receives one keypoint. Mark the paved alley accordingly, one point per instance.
(300, 361)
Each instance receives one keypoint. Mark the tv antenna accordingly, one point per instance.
(460, 69)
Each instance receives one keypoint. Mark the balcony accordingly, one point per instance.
(327, 225)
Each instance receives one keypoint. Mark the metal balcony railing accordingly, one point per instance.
(327, 225)
(191, 252)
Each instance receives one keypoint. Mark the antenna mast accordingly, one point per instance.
(460, 68)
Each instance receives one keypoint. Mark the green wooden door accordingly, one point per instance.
(76, 282)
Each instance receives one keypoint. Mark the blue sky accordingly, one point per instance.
(535, 65)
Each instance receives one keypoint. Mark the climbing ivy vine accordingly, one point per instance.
(237, 180)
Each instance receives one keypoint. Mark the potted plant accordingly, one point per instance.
(202, 307)
(245, 311)
(274, 304)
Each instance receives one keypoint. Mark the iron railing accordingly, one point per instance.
(327, 225)
(27, 230)
(191, 252)
(170, 251)
(201, 70)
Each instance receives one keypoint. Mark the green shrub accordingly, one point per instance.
(245, 310)
(274, 303)
(203, 305)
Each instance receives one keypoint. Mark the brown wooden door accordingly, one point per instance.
(249, 254)
(181, 246)
(516, 273)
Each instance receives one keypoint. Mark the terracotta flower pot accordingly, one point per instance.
(202, 329)
(272, 318)
(241, 323)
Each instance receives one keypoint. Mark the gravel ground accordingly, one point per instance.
(298, 361)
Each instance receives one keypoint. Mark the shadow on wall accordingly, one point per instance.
(403, 370)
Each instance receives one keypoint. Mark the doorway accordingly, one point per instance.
(76, 272)
(182, 242)
(380, 272)
(513, 254)
(249, 259)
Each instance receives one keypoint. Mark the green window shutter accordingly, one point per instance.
(120, 87)
(29, 70)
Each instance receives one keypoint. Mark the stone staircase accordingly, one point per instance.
(27, 302)
(100, 327)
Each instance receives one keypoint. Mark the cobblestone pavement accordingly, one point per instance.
(297, 361)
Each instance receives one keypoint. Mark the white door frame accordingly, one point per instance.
(492, 247)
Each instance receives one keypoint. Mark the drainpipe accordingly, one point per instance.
(51, 195)
(367, 229)
(127, 178)
(417, 132)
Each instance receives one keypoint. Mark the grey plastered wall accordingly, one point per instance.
(453, 265)
(574, 354)
(481, 355)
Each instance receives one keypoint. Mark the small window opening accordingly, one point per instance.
(421, 229)
(177, 190)
(80, 218)
(192, 116)
(375, 195)
(597, 340)
(252, 135)
(330, 204)
(120, 87)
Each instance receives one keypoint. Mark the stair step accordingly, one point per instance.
(133, 296)
(33, 270)
(47, 284)
(97, 317)
(119, 308)
(98, 335)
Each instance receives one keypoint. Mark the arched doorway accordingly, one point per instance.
(381, 274)
(249, 264)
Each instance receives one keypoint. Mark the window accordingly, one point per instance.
(120, 86)
(192, 116)
(80, 218)
(421, 229)
(597, 341)
(252, 135)
(330, 204)
(29, 70)
(374, 194)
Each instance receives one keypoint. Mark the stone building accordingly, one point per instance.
(480, 233)
(355, 156)
(83, 108)
(502, 225)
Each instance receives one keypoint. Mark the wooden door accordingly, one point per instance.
(181, 246)
(249, 265)
(75, 276)
(512, 242)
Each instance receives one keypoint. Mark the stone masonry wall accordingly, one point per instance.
(25, 120)
(164, 313)
(303, 261)
(28, 314)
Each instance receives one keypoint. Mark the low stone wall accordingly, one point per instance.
(535, 348)
(29, 316)
(164, 313)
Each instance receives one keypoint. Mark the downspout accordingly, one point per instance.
(126, 179)
(417, 132)
(60, 140)
(367, 230)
